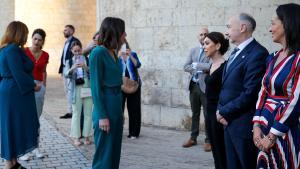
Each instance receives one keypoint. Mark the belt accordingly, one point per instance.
(112, 90)
(6, 77)
(278, 100)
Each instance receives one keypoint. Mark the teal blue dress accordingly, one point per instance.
(106, 81)
(18, 116)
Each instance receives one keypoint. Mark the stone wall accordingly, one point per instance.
(52, 16)
(163, 31)
(7, 14)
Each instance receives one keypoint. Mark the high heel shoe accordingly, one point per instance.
(17, 166)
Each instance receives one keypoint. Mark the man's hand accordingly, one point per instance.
(218, 116)
(224, 122)
(221, 119)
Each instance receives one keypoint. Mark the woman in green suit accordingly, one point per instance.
(106, 80)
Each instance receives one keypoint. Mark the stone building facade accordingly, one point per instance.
(161, 31)
(52, 16)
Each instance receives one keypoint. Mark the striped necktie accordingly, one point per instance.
(231, 57)
(200, 54)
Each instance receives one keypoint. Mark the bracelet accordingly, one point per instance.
(256, 125)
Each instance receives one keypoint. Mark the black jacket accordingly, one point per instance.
(68, 55)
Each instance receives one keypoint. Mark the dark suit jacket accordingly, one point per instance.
(68, 54)
(240, 87)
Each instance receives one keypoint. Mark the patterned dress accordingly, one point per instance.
(278, 110)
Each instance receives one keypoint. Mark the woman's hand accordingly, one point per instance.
(124, 56)
(84, 66)
(257, 136)
(104, 125)
(268, 142)
(128, 54)
(74, 66)
(37, 87)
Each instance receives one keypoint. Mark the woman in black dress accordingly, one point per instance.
(215, 46)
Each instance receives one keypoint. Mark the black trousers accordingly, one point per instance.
(215, 133)
(134, 111)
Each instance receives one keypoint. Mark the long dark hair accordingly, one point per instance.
(289, 14)
(76, 43)
(110, 32)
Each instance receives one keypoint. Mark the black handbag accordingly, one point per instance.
(79, 81)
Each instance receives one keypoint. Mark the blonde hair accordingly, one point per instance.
(16, 33)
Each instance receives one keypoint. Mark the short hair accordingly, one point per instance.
(218, 37)
(71, 27)
(111, 30)
(289, 14)
(16, 33)
(249, 19)
(76, 43)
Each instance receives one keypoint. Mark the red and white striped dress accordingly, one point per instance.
(278, 110)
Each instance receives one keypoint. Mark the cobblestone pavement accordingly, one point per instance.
(59, 153)
(156, 148)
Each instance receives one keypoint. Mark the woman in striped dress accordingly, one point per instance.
(276, 130)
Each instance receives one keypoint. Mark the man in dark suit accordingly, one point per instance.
(241, 82)
(67, 54)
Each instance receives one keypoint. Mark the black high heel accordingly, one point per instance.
(17, 166)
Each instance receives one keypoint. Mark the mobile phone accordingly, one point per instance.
(123, 48)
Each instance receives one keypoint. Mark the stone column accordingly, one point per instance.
(52, 16)
(7, 14)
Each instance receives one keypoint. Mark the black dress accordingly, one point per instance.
(215, 129)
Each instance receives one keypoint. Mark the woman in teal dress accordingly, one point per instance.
(18, 115)
(106, 81)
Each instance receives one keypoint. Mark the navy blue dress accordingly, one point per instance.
(18, 116)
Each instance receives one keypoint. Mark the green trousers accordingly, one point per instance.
(87, 105)
(108, 145)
